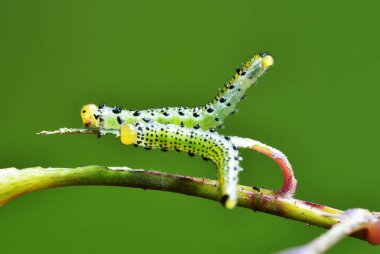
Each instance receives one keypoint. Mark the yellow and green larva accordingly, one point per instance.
(187, 129)
(208, 145)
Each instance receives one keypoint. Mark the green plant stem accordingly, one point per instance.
(15, 182)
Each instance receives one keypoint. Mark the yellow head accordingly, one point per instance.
(89, 114)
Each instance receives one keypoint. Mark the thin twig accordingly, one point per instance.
(351, 221)
(79, 131)
(70, 131)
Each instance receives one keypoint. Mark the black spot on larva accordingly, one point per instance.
(216, 119)
(146, 120)
(147, 148)
(205, 158)
(84, 111)
(231, 87)
(195, 114)
(262, 54)
(135, 145)
(228, 104)
(236, 158)
(224, 199)
(227, 138)
(242, 98)
(165, 114)
(191, 154)
(182, 124)
(181, 113)
(136, 113)
(177, 149)
(119, 120)
(243, 73)
(116, 110)
(234, 147)
(101, 106)
(196, 126)
(164, 149)
(238, 70)
(96, 116)
(210, 110)
(222, 100)
(212, 130)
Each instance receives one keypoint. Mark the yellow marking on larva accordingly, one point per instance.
(230, 204)
(267, 61)
(128, 134)
(88, 118)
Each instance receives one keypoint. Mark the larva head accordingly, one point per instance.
(90, 116)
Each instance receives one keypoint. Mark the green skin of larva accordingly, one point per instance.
(209, 145)
(212, 115)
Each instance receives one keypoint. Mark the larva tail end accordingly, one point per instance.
(228, 202)
(267, 61)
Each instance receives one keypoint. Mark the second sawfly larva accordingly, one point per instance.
(191, 130)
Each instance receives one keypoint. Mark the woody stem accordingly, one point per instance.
(16, 182)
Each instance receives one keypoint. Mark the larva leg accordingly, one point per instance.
(289, 183)
(196, 142)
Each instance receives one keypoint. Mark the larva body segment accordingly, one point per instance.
(225, 102)
(210, 146)
(212, 115)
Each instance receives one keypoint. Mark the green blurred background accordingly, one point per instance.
(318, 104)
